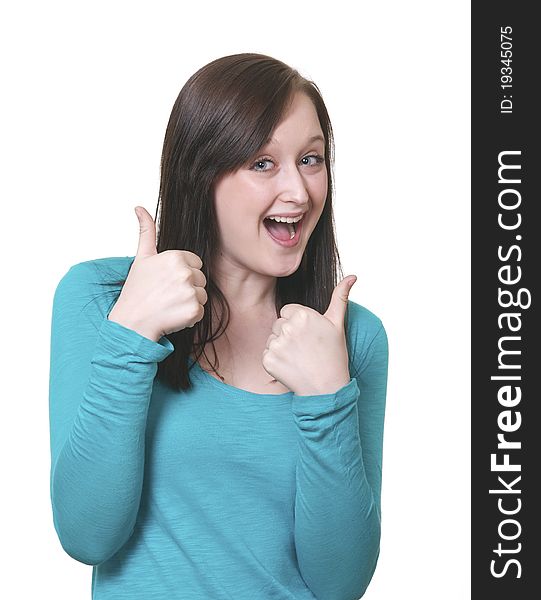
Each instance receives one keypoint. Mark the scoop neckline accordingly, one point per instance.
(231, 389)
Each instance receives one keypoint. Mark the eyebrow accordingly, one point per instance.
(314, 138)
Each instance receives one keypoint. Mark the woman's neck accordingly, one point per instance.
(245, 291)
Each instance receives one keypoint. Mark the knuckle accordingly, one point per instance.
(196, 257)
(195, 310)
(175, 256)
(184, 272)
(199, 314)
(286, 329)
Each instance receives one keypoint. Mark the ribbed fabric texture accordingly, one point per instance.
(215, 493)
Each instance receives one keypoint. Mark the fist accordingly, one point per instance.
(307, 351)
(163, 292)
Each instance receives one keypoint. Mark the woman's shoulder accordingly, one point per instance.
(365, 334)
(91, 285)
(361, 321)
(98, 270)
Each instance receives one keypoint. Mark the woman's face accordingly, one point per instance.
(288, 177)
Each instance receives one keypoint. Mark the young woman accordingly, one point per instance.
(216, 401)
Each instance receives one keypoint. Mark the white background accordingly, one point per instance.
(87, 92)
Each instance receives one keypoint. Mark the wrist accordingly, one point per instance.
(133, 324)
(330, 387)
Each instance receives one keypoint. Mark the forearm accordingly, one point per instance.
(97, 478)
(337, 523)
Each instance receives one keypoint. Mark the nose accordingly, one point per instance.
(292, 186)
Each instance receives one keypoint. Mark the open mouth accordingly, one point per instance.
(286, 234)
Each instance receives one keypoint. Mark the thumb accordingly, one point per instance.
(336, 312)
(147, 233)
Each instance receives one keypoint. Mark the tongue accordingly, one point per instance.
(279, 230)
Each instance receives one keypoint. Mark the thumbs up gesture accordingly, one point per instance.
(163, 292)
(307, 351)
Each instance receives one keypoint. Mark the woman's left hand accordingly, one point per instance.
(307, 351)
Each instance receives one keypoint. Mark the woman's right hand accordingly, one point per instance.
(163, 292)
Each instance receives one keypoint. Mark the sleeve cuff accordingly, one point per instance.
(321, 404)
(117, 336)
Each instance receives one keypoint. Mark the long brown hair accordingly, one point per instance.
(223, 115)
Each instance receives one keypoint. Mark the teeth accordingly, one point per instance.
(290, 221)
(286, 219)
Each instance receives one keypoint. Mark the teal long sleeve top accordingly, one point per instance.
(215, 493)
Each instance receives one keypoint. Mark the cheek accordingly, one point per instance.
(318, 190)
(237, 227)
(232, 227)
(235, 202)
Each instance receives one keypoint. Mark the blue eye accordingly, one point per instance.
(318, 159)
(260, 161)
